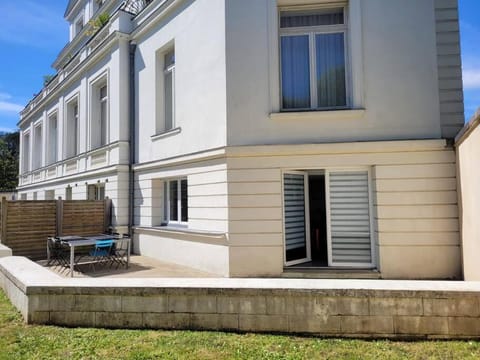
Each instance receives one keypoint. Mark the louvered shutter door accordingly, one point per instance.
(294, 205)
(350, 218)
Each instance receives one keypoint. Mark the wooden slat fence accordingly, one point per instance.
(25, 225)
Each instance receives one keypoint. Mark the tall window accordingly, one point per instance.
(68, 193)
(169, 89)
(313, 59)
(26, 153)
(99, 123)
(37, 146)
(176, 201)
(78, 26)
(72, 143)
(52, 139)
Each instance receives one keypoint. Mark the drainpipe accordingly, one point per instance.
(131, 179)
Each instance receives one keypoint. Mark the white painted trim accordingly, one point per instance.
(319, 115)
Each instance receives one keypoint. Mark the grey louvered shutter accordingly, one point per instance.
(294, 207)
(350, 219)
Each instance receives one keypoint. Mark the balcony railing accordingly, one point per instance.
(135, 7)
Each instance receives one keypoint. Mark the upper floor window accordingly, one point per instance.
(72, 131)
(169, 90)
(26, 153)
(99, 119)
(37, 147)
(52, 142)
(78, 25)
(313, 59)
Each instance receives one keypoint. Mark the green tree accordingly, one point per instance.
(9, 146)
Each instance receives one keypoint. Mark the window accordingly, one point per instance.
(96, 192)
(72, 140)
(176, 201)
(78, 25)
(37, 147)
(49, 194)
(26, 153)
(23, 196)
(52, 139)
(68, 193)
(313, 60)
(99, 123)
(169, 90)
(35, 195)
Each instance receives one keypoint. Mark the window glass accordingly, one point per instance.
(330, 54)
(168, 100)
(295, 72)
(173, 190)
(302, 18)
(184, 200)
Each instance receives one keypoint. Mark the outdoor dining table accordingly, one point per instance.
(73, 241)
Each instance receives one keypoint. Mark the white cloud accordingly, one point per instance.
(9, 106)
(471, 78)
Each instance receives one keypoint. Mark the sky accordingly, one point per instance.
(32, 33)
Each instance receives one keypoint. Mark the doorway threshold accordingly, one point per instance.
(311, 272)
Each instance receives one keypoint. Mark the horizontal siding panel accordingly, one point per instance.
(208, 201)
(450, 72)
(417, 212)
(452, 107)
(417, 225)
(447, 26)
(252, 201)
(450, 84)
(417, 198)
(208, 178)
(328, 160)
(208, 213)
(419, 239)
(208, 189)
(255, 239)
(251, 175)
(451, 95)
(258, 226)
(208, 225)
(248, 188)
(445, 4)
(446, 14)
(449, 60)
(415, 171)
(448, 49)
(273, 213)
(406, 185)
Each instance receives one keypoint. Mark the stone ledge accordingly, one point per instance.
(362, 308)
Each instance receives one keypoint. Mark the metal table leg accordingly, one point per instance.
(72, 259)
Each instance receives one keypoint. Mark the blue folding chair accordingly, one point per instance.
(102, 252)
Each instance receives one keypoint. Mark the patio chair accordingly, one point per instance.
(101, 253)
(120, 252)
(58, 253)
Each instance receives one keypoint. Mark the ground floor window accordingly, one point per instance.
(176, 201)
(96, 192)
(68, 193)
(327, 218)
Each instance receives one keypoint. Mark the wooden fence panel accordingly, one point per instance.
(28, 225)
(83, 217)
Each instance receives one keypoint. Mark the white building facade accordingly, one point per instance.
(262, 137)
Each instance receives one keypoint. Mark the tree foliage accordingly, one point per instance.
(9, 150)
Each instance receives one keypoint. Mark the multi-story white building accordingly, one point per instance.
(258, 137)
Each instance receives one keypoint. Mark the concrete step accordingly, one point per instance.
(329, 273)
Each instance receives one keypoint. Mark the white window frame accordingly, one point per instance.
(80, 17)
(97, 191)
(50, 117)
(326, 172)
(38, 147)
(166, 194)
(311, 31)
(167, 70)
(26, 149)
(74, 119)
(95, 111)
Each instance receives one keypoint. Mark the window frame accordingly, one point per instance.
(166, 208)
(95, 119)
(53, 115)
(72, 121)
(311, 32)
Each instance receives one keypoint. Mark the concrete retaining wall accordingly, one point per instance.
(5, 251)
(347, 308)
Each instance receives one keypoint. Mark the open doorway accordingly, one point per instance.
(327, 220)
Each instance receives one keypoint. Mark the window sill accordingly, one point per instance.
(349, 114)
(185, 234)
(165, 134)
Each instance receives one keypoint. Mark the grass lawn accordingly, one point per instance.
(20, 341)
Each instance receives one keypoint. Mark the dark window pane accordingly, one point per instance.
(302, 19)
(295, 72)
(330, 52)
(173, 188)
(184, 193)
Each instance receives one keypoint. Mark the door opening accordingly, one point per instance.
(318, 220)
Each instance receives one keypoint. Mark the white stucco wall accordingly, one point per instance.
(196, 29)
(468, 157)
(397, 75)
